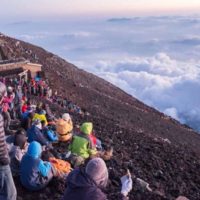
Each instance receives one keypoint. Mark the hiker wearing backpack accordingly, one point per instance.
(85, 184)
(64, 128)
(82, 147)
(7, 186)
(40, 115)
(35, 174)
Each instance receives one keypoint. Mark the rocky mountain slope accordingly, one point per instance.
(153, 146)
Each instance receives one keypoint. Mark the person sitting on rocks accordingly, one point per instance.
(35, 174)
(84, 184)
(40, 114)
(105, 152)
(82, 146)
(27, 119)
(17, 151)
(35, 133)
(49, 133)
(10, 138)
(64, 128)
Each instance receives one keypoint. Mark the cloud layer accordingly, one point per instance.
(156, 59)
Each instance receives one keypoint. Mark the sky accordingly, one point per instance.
(12, 9)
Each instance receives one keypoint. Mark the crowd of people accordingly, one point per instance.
(29, 153)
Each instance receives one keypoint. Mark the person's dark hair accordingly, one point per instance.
(31, 115)
(21, 131)
(43, 122)
(20, 140)
(38, 110)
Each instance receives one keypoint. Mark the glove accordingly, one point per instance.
(127, 185)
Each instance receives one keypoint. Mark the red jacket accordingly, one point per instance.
(93, 139)
(24, 108)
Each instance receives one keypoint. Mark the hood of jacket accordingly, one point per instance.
(34, 149)
(61, 122)
(96, 169)
(78, 178)
(86, 128)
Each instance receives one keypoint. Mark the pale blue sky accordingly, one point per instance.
(47, 8)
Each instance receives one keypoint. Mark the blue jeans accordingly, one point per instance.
(7, 186)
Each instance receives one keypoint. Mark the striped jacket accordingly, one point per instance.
(4, 157)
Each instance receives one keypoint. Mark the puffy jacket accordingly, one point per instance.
(41, 117)
(64, 128)
(35, 134)
(81, 187)
(35, 174)
(82, 144)
(4, 157)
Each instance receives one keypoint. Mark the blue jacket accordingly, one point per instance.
(35, 134)
(50, 134)
(34, 173)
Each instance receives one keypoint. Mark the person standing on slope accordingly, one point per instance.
(7, 186)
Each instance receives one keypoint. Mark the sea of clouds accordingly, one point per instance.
(155, 59)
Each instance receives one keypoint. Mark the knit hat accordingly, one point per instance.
(86, 128)
(20, 140)
(96, 169)
(66, 117)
